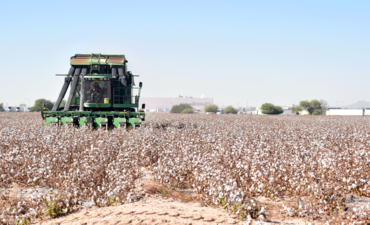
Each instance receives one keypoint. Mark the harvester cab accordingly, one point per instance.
(101, 94)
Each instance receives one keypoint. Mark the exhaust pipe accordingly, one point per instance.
(122, 76)
(114, 71)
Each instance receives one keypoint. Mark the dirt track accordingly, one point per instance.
(161, 206)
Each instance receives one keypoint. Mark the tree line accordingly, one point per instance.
(213, 108)
(313, 107)
(47, 104)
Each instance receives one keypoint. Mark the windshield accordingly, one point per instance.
(97, 90)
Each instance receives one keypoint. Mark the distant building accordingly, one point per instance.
(165, 104)
(16, 108)
(347, 112)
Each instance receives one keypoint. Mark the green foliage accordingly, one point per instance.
(295, 109)
(315, 104)
(269, 108)
(187, 110)
(223, 202)
(314, 107)
(317, 112)
(1, 107)
(22, 104)
(211, 108)
(230, 110)
(180, 108)
(21, 221)
(48, 104)
(242, 210)
(57, 205)
(38, 104)
(112, 201)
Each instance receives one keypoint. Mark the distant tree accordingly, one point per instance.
(187, 110)
(305, 105)
(279, 109)
(1, 107)
(230, 110)
(22, 104)
(313, 107)
(317, 112)
(180, 108)
(38, 104)
(295, 109)
(211, 108)
(269, 108)
(175, 109)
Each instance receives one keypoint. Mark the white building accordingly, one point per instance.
(347, 112)
(16, 108)
(165, 104)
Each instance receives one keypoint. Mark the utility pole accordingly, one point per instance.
(29, 102)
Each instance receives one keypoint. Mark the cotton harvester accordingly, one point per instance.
(101, 94)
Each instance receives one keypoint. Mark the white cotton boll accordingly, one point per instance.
(262, 210)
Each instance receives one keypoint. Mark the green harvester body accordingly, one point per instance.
(101, 94)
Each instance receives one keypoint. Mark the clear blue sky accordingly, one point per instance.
(261, 51)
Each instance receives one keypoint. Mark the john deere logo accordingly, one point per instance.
(97, 105)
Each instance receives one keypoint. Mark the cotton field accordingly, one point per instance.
(229, 160)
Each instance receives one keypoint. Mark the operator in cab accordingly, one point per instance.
(95, 93)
